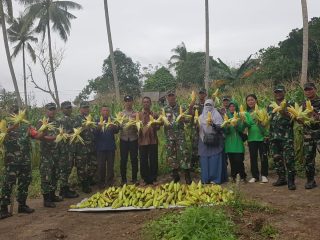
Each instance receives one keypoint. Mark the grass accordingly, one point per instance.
(269, 231)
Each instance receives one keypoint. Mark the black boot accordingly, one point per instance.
(311, 183)
(291, 185)
(65, 192)
(86, 187)
(187, 176)
(175, 175)
(24, 208)
(4, 213)
(280, 182)
(47, 202)
(55, 198)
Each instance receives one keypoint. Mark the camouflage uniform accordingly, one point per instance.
(177, 152)
(282, 145)
(85, 155)
(312, 140)
(17, 164)
(49, 161)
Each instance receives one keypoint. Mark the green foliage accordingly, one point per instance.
(161, 80)
(194, 223)
(268, 231)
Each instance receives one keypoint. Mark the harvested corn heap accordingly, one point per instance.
(165, 195)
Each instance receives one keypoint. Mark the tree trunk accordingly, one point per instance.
(304, 69)
(6, 45)
(113, 64)
(206, 76)
(24, 77)
(52, 67)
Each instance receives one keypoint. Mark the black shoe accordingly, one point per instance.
(4, 213)
(55, 198)
(188, 177)
(23, 208)
(65, 192)
(280, 182)
(175, 175)
(47, 202)
(86, 187)
(310, 184)
(291, 185)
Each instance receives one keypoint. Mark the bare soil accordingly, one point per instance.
(296, 216)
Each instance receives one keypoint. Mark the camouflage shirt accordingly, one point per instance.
(281, 125)
(67, 122)
(87, 133)
(18, 146)
(175, 129)
(316, 106)
(49, 146)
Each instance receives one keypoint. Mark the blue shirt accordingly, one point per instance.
(105, 140)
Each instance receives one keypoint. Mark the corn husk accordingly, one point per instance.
(75, 136)
(88, 122)
(46, 125)
(62, 136)
(18, 118)
(3, 130)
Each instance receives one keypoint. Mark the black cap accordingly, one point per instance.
(171, 92)
(309, 85)
(279, 88)
(128, 98)
(66, 105)
(51, 106)
(226, 98)
(202, 90)
(84, 104)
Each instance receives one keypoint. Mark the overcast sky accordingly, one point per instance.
(147, 30)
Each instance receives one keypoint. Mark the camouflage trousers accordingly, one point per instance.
(194, 150)
(22, 173)
(310, 150)
(283, 156)
(177, 154)
(65, 164)
(49, 171)
(86, 163)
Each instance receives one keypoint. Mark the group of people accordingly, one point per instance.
(214, 145)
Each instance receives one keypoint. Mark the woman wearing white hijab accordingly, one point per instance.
(211, 145)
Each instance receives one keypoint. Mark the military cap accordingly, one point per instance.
(66, 105)
(51, 106)
(279, 88)
(128, 98)
(84, 104)
(309, 85)
(202, 90)
(171, 92)
(226, 98)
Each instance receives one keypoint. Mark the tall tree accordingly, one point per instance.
(207, 70)
(304, 70)
(179, 56)
(8, 4)
(114, 68)
(53, 14)
(21, 34)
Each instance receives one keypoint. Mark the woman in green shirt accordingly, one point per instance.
(256, 142)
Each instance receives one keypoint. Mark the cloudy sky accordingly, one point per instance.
(147, 30)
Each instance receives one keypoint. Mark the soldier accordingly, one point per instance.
(177, 153)
(17, 167)
(66, 156)
(281, 140)
(202, 94)
(311, 135)
(49, 162)
(85, 155)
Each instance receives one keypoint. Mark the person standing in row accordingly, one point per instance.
(225, 103)
(148, 144)
(177, 152)
(85, 154)
(256, 142)
(17, 164)
(105, 146)
(281, 140)
(311, 134)
(128, 142)
(66, 156)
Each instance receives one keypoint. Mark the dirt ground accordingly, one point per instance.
(296, 217)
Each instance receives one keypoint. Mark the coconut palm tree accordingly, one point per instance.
(8, 4)
(20, 33)
(206, 73)
(179, 56)
(304, 70)
(55, 15)
(113, 64)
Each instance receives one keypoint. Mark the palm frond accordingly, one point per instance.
(17, 49)
(68, 5)
(31, 52)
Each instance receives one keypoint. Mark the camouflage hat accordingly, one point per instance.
(309, 85)
(202, 90)
(279, 88)
(171, 92)
(128, 98)
(226, 98)
(84, 104)
(66, 105)
(51, 106)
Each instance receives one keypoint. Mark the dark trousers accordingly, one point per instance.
(127, 147)
(149, 163)
(237, 165)
(105, 159)
(254, 149)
